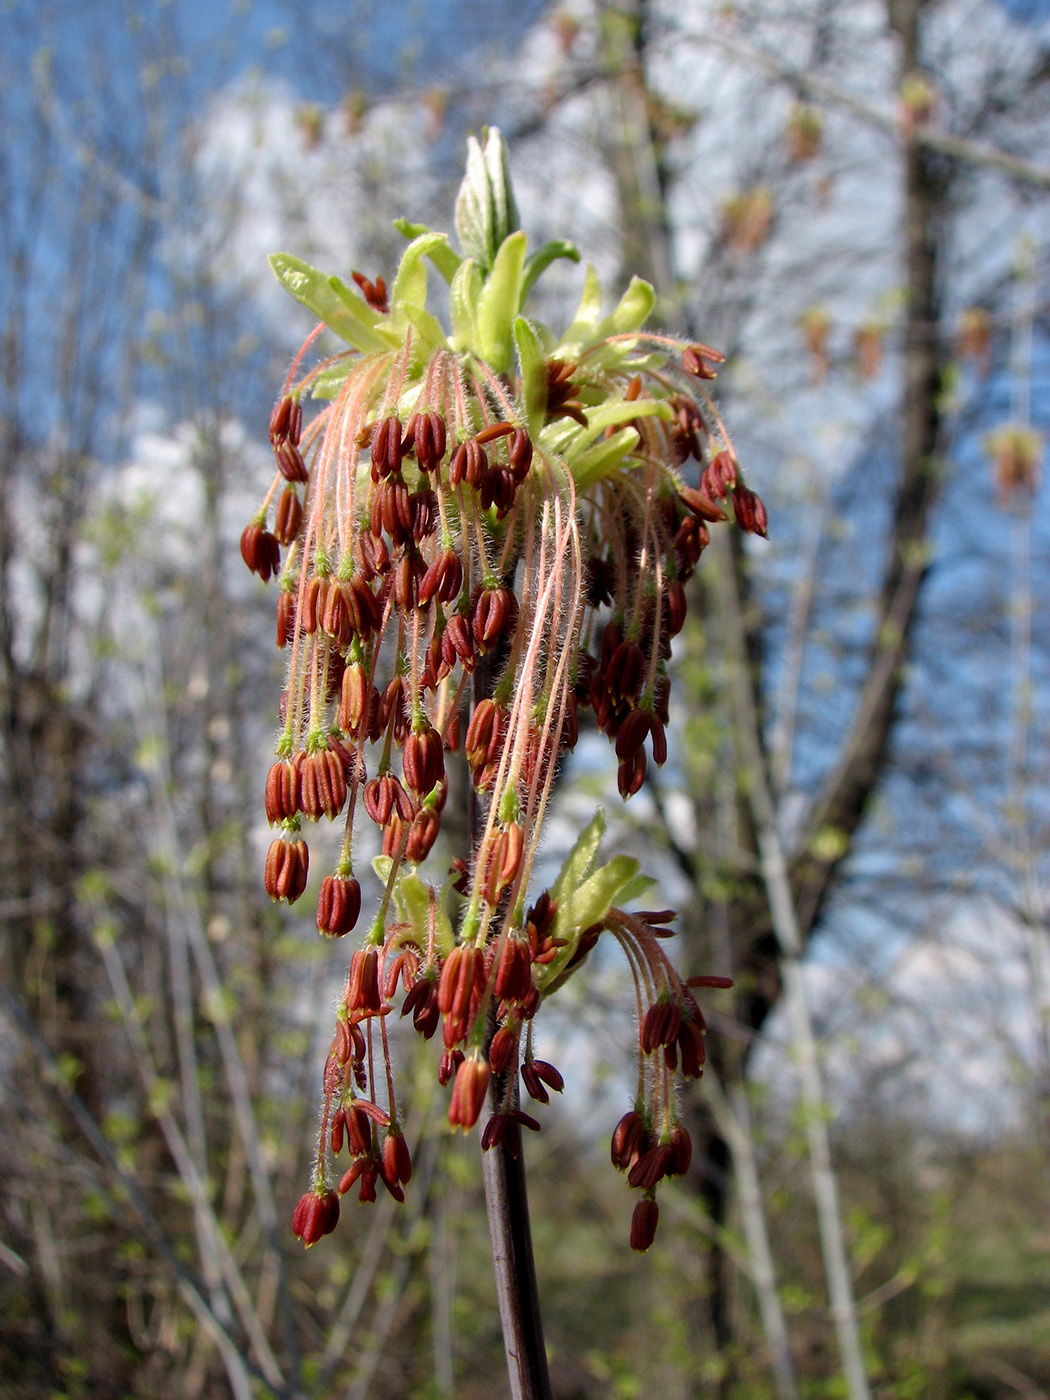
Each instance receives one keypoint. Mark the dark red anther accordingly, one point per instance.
(538, 1074)
(719, 475)
(421, 1001)
(322, 785)
(495, 612)
(631, 775)
(700, 360)
(374, 293)
(457, 643)
(386, 448)
(498, 489)
(260, 550)
(701, 505)
(443, 579)
(519, 452)
(749, 511)
(288, 518)
(681, 1145)
(643, 1224)
(651, 1167)
(397, 1161)
(630, 1138)
(469, 462)
(514, 973)
(662, 1023)
(338, 905)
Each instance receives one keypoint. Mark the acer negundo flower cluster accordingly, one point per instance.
(498, 503)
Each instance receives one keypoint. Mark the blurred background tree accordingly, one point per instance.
(852, 202)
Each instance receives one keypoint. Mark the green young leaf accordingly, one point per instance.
(412, 899)
(463, 297)
(582, 859)
(588, 313)
(631, 311)
(485, 209)
(442, 255)
(541, 259)
(342, 311)
(410, 283)
(430, 333)
(599, 460)
(571, 441)
(580, 907)
(533, 375)
(499, 302)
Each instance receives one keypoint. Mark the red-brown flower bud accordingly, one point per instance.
(322, 785)
(316, 1215)
(427, 431)
(468, 1093)
(422, 760)
(385, 795)
(287, 866)
(503, 1049)
(338, 905)
(514, 973)
(363, 990)
(285, 618)
(282, 791)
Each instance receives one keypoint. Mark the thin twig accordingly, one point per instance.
(506, 1198)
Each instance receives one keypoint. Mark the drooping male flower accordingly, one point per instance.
(480, 532)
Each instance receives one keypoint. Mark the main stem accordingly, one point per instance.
(506, 1193)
